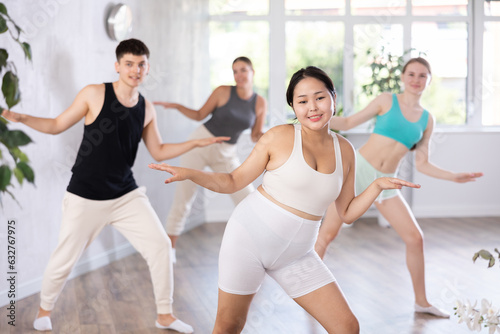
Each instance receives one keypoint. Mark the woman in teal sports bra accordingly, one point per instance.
(402, 124)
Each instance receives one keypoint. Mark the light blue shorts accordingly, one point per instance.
(366, 174)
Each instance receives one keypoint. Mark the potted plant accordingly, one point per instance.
(386, 69)
(11, 140)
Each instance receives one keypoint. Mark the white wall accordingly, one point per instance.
(70, 50)
(459, 151)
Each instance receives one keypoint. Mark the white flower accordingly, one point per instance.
(461, 311)
(485, 306)
(487, 316)
(474, 323)
(470, 308)
(493, 314)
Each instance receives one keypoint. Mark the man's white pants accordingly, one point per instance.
(134, 217)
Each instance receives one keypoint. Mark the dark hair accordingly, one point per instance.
(133, 46)
(245, 60)
(419, 60)
(310, 72)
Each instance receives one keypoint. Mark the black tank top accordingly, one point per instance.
(103, 166)
(232, 118)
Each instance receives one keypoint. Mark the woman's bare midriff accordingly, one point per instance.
(296, 212)
(383, 153)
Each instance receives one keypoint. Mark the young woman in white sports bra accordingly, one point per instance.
(273, 230)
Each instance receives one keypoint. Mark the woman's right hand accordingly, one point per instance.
(165, 105)
(176, 172)
(385, 183)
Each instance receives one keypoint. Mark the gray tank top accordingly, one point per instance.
(232, 118)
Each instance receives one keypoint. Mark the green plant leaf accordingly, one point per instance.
(491, 263)
(482, 253)
(3, 25)
(15, 138)
(3, 9)
(475, 256)
(27, 50)
(12, 96)
(3, 125)
(4, 55)
(10, 89)
(485, 254)
(17, 154)
(5, 175)
(19, 175)
(27, 171)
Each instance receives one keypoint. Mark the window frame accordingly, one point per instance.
(277, 20)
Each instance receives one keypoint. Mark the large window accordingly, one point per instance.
(460, 38)
(371, 40)
(306, 45)
(490, 88)
(229, 40)
(447, 53)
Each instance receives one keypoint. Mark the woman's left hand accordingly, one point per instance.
(211, 140)
(394, 183)
(466, 177)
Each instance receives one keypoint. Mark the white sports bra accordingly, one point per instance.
(299, 186)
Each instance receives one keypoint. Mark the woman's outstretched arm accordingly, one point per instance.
(425, 166)
(351, 207)
(379, 104)
(226, 183)
(219, 94)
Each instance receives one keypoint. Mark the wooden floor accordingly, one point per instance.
(367, 260)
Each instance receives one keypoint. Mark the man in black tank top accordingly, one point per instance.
(102, 190)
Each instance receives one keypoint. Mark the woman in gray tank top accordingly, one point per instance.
(233, 109)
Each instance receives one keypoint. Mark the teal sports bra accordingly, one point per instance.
(394, 125)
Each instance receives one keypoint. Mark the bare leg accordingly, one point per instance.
(42, 322)
(329, 306)
(399, 215)
(232, 313)
(173, 239)
(43, 313)
(330, 228)
(165, 319)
